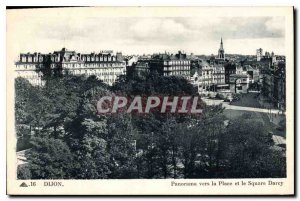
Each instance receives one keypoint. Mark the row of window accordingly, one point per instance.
(55, 58)
(120, 70)
(27, 66)
(177, 73)
(99, 58)
(179, 62)
(33, 66)
(74, 65)
(94, 73)
(29, 77)
(177, 68)
(33, 74)
(29, 59)
(28, 73)
(109, 81)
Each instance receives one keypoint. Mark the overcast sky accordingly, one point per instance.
(138, 35)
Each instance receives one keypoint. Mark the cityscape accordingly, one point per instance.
(220, 74)
(149, 94)
(243, 100)
(150, 100)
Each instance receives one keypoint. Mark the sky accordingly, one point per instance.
(147, 35)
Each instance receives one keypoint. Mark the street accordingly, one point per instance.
(234, 107)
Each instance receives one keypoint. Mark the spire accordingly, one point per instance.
(221, 45)
(221, 53)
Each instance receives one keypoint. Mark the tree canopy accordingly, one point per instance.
(67, 138)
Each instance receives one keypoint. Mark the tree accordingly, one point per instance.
(154, 83)
(23, 89)
(23, 172)
(30, 110)
(248, 153)
(49, 158)
(87, 136)
(121, 146)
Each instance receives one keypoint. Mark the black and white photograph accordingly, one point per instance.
(192, 97)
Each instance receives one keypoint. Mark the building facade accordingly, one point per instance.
(142, 67)
(218, 74)
(202, 77)
(259, 54)
(279, 92)
(274, 84)
(239, 83)
(230, 68)
(166, 64)
(105, 65)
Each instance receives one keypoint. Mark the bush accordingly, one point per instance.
(23, 172)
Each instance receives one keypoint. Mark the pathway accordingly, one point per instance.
(234, 107)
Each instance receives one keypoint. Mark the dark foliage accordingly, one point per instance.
(67, 139)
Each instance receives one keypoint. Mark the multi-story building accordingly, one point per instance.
(202, 76)
(230, 68)
(27, 67)
(279, 92)
(273, 84)
(219, 74)
(239, 83)
(141, 67)
(218, 65)
(166, 64)
(208, 76)
(259, 54)
(104, 65)
(272, 79)
(131, 60)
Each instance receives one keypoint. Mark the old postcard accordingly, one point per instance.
(150, 101)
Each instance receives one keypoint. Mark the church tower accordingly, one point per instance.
(221, 53)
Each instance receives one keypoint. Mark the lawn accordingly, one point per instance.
(258, 116)
(247, 100)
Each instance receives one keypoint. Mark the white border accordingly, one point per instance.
(110, 3)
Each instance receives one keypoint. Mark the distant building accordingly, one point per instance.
(104, 65)
(142, 67)
(279, 92)
(166, 64)
(274, 84)
(253, 72)
(218, 74)
(27, 66)
(208, 76)
(230, 68)
(202, 76)
(131, 60)
(239, 83)
(221, 52)
(259, 54)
